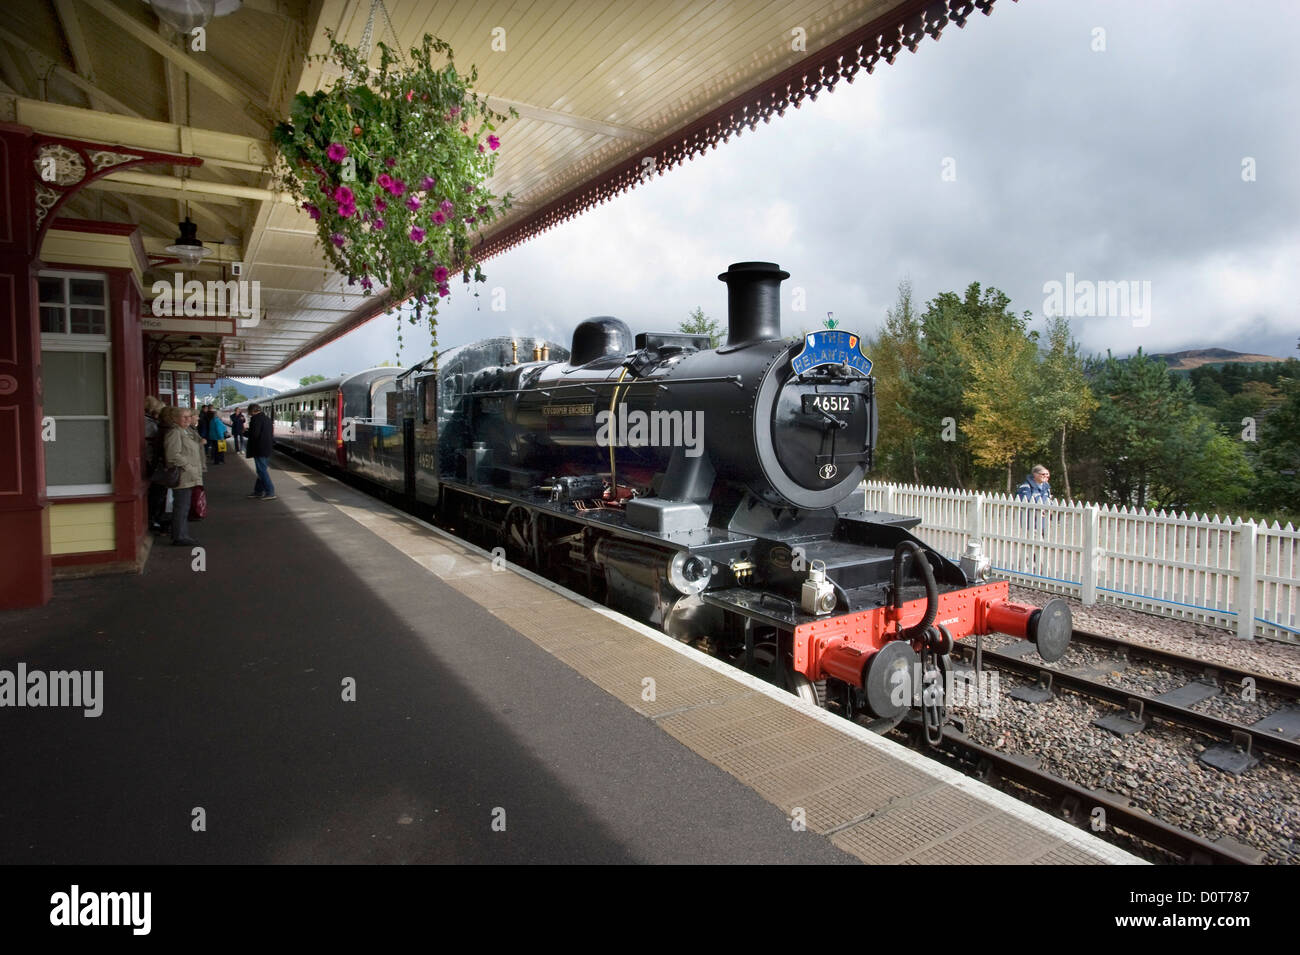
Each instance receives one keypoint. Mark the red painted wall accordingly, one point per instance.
(25, 575)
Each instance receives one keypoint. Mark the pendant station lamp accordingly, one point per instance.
(187, 246)
(186, 15)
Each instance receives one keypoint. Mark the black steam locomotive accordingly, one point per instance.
(715, 493)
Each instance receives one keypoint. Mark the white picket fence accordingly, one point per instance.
(1243, 577)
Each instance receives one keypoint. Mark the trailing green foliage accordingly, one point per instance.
(392, 165)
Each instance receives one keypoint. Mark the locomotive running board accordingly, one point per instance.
(750, 603)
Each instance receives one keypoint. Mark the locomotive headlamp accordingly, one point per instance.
(974, 564)
(818, 594)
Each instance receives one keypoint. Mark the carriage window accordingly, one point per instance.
(381, 403)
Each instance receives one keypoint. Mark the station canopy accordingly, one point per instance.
(600, 87)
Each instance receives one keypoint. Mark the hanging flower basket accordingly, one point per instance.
(392, 165)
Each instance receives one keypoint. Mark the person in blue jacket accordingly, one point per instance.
(217, 431)
(1037, 486)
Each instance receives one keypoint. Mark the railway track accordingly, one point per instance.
(1078, 804)
(1173, 706)
(1276, 734)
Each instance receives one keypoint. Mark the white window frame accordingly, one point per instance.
(67, 341)
(67, 306)
(188, 392)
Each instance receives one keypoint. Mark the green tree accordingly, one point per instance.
(1155, 448)
(1277, 455)
(937, 391)
(699, 324)
(1002, 368)
(1063, 400)
(895, 353)
(228, 395)
(310, 380)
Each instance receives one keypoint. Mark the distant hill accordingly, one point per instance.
(250, 391)
(1196, 357)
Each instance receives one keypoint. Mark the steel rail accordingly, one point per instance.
(1227, 674)
(1225, 730)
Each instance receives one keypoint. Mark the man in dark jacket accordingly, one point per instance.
(260, 444)
(237, 429)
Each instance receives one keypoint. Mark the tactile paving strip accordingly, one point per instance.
(879, 805)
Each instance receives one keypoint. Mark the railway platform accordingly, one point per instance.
(331, 680)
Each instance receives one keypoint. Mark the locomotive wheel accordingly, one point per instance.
(518, 535)
(806, 689)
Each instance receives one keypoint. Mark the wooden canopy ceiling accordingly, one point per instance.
(600, 87)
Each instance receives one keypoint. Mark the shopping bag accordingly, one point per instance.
(198, 504)
(221, 445)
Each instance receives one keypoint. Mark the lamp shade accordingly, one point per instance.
(187, 246)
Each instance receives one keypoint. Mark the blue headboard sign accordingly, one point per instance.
(831, 346)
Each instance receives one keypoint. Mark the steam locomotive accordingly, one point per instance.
(712, 492)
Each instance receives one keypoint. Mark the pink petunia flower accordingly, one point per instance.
(337, 239)
(337, 152)
(311, 210)
(384, 180)
(493, 142)
(412, 203)
(344, 195)
(427, 183)
(417, 234)
(446, 206)
(347, 210)
(443, 291)
(380, 204)
(440, 274)
(379, 223)
(439, 218)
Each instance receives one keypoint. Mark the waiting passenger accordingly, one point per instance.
(217, 432)
(153, 458)
(261, 441)
(237, 429)
(205, 417)
(183, 449)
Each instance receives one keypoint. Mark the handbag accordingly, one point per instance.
(198, 503)
(221, 445)
(167, 477)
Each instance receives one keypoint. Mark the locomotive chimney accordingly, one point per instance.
(753, 301)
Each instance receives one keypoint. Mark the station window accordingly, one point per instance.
(76, 354)
(74, 303)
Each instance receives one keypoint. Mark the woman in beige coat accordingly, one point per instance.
(183, 449)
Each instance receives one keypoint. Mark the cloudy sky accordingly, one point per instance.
(1010, 153)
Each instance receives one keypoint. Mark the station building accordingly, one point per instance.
(129, 159)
